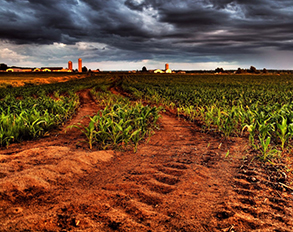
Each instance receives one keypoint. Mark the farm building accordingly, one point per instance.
(63, 70)
(18, 70)
(158, 71)
(167, 70)
(53, 69)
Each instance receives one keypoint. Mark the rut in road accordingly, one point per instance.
(172, 183)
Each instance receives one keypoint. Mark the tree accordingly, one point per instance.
(3, 66)
(252, 69)
(219, 70)
(84, 69)
(239, 71)
(144, 69)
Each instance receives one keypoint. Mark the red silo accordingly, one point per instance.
(166, 66)
(79, 65)
(70, 65)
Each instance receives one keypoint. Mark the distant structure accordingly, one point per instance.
(166, 67)
(49, 69)
(18, 70)
(167, 70)
(158, 71)
(70, 65)
(42, 69)
(79, 65)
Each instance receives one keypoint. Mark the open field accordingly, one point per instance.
(17, 79)
(144, 152)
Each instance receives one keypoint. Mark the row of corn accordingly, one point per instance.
(120, 124)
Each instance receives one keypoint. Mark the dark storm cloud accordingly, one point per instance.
(153, 28)
(38, 22)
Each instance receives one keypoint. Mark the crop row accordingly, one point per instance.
(30, 118)
(120, 123)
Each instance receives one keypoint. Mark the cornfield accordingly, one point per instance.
(233, 105)
(257, 106)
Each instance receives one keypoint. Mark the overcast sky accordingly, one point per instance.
(130, 34)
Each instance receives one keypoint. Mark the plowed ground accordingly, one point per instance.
(184, 179)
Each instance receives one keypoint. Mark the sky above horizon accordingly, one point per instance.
(130, 34)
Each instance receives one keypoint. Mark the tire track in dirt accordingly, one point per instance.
(166, 186)
(236, 209)
(260, 202)
(160, 188)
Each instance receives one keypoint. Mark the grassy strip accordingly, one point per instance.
(120, 124)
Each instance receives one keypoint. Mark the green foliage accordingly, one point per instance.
(262, 105)
(32, 111)
(33, 117)
(120, 123)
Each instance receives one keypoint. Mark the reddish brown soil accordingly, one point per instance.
(182, 180)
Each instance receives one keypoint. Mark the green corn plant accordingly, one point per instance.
(115, 132)
(290, 131)
(35, 128)
(264, 146)
(135, 138)
(180, 110)
(127, 135)
(252, 132)
(5, 138)
(227, 123)
(209, 115)
(218, 117)
(282, 131)
(265, 127)
(89, 131)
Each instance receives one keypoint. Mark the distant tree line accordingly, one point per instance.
(3, 66)
(252, 70)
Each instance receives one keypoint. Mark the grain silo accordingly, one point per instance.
(79, 65)
(70, 65)
(166, 66)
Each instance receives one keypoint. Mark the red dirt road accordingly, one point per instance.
(182, 180)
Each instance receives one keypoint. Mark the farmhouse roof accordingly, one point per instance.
(52, 68)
